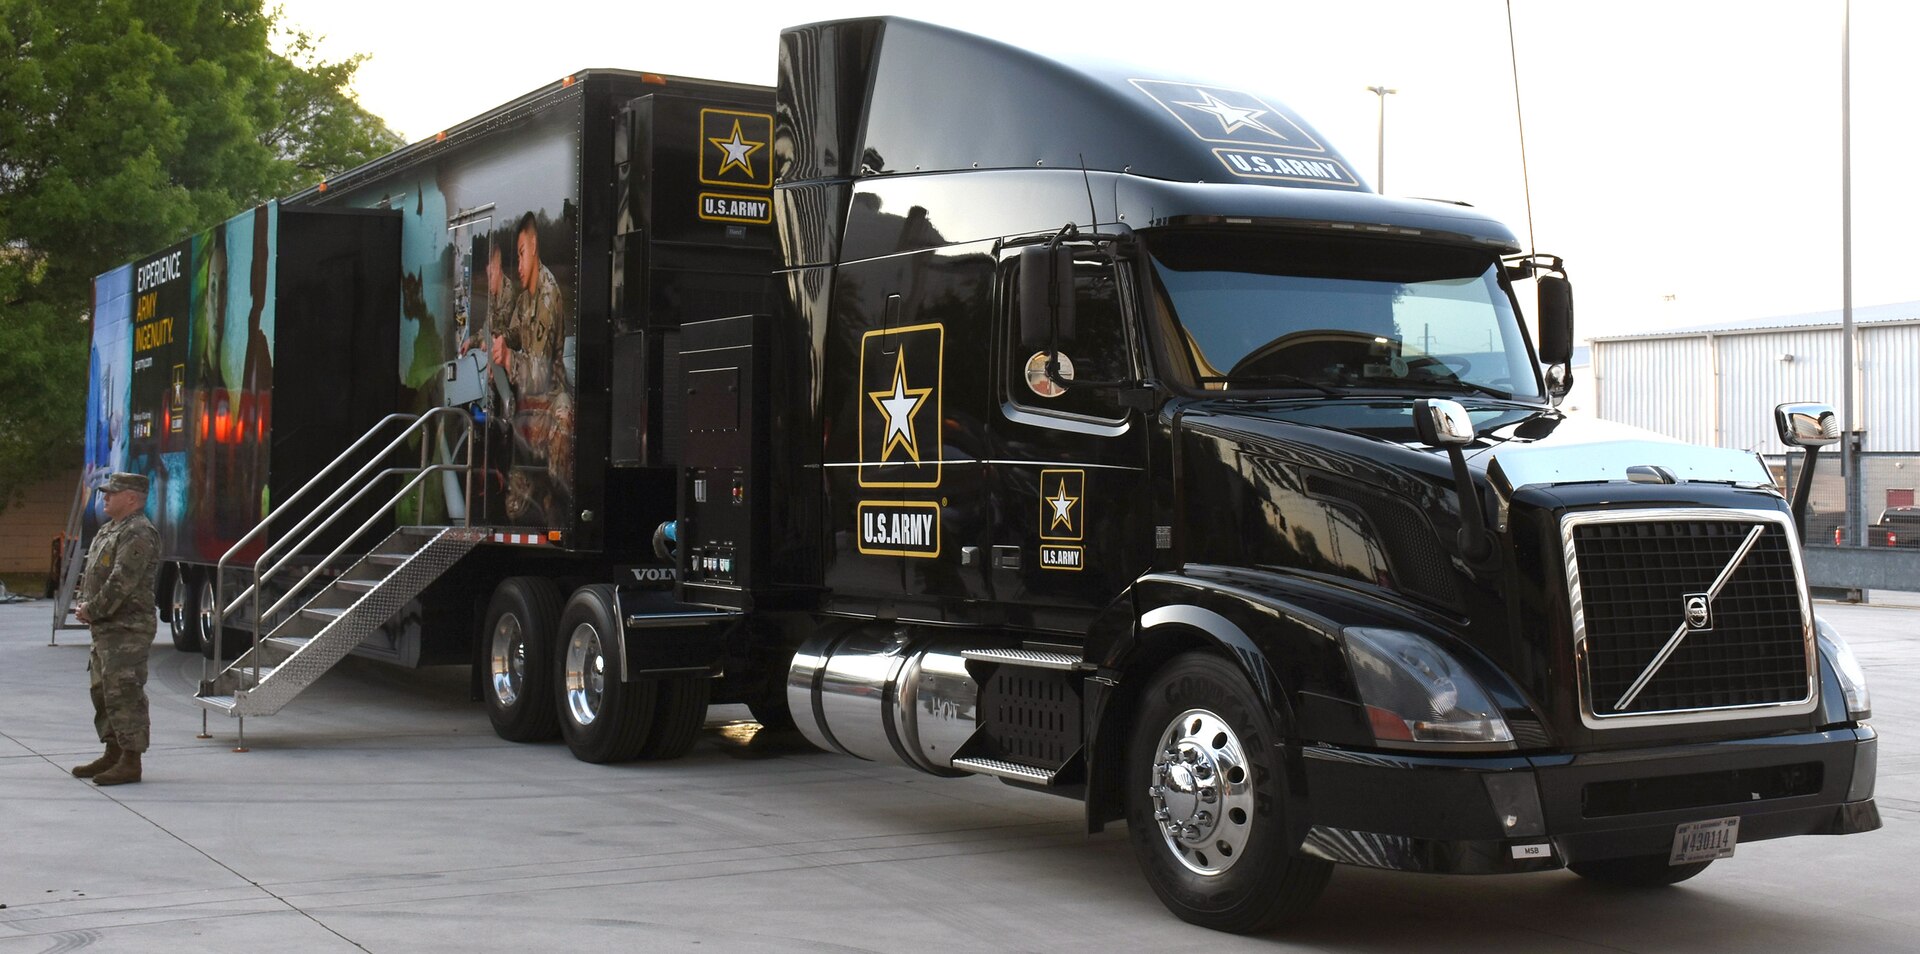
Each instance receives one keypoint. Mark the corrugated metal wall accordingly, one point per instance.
(1892, 405)
(1754, 377)
(1661, 384)
(1669, 385)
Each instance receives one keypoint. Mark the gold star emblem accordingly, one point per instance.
(900, 403)
(739, 151)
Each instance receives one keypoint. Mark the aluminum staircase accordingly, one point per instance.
(328, 627)
(316, 621)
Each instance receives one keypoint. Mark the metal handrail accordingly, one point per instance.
(288, 540)
(293, 540)
(420, 474)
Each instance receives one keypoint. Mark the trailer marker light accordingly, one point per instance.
(440, 136)
(322, 186)
(553, 535)
(566, 81)
(653, 79)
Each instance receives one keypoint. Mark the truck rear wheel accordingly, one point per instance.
(1645, 871)
(677, 719)
(183, 612)
(521, 621)
(1206, 796)
(602, 719)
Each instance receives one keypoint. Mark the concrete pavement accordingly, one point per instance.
(379, 813)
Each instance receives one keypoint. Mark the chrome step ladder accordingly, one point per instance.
(319, 620)
(328, 627)
(980, 756)
(72, 557)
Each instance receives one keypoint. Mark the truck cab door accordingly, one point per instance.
(1072, 525)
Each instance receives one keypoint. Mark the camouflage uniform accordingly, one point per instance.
(545, 414)
(117, 591)
(533, 326)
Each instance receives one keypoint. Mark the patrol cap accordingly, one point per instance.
(123, 481)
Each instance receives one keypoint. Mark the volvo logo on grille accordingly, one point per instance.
(1699, 611)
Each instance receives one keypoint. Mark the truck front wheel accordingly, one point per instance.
(521, 621)
(1206, 795)
(603, 719)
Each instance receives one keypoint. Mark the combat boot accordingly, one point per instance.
(100, 764)
(124, 771)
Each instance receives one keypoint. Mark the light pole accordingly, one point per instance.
(1380, 176)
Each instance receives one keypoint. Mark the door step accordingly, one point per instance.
(1012, 771)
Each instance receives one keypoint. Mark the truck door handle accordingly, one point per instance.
(1006, 558)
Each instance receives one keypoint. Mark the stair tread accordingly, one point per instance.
(324, 612)
(1026, 657)
(215, 702)
(1005, 769)
(389, 559)
(361, 585)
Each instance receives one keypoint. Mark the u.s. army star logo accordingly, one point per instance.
(1063, 504)
(733, 148)
(900, 373)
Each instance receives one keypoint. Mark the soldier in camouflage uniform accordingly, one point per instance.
(544, 410)
(116, 600)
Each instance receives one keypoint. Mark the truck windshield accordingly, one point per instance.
(1264, 311)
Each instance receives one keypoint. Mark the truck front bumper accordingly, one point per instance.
(1506, 814)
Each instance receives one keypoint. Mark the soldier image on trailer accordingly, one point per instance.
(116, 601)
(527, 343)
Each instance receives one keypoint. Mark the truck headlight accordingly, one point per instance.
(1417, 695)
(1853, 679)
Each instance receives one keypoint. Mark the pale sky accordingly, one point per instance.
(1684, 154)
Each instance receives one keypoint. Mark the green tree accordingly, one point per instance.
(125, 125)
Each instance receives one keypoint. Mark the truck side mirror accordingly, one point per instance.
(1556, 320)
(1046, 295)
(1811, 426)
(1441, 423)
(1807, 425)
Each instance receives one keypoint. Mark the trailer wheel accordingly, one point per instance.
(235, 640)
(602, 719)
(677, 719)
(1206, 796)
(183, 612)
(519, 635)
(1644, 871)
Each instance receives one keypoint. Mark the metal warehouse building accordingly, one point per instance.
(1718, 384)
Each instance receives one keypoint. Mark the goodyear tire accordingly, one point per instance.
(1206, 797)
(677, 718)
(183, 611)
(601, 718)
(1645, 871)
(518, 641)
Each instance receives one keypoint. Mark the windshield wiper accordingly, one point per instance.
(1277, 379)
(1448, 384)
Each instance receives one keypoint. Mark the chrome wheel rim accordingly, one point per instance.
(207, 610)
(586, 674)
(1202, 792)
(177, 606)
(508, 660)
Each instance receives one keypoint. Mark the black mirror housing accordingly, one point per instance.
(1556, 319)
(1046, 295)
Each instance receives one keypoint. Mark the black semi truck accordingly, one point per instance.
(1099, 431)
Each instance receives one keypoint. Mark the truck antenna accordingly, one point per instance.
(1513, 56)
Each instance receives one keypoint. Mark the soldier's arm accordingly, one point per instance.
(133, 566)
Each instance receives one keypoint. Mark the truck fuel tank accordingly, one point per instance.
(880, 692)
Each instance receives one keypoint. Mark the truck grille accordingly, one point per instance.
(1639, 579)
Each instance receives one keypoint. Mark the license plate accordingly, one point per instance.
(1697, 841)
